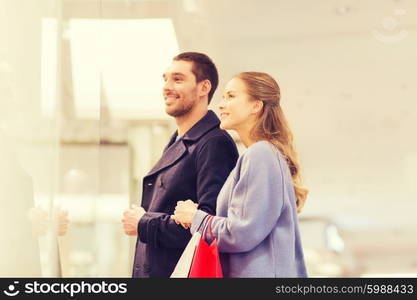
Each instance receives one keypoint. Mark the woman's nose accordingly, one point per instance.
(222, 104)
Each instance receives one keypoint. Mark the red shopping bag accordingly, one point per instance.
(206, 261)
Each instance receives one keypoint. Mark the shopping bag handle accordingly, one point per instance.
(210, 221)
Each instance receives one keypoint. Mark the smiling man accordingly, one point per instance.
(194, 165)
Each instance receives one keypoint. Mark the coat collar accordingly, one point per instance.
(176, 149)
(207, 123)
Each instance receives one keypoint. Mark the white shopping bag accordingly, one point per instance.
(184, 264)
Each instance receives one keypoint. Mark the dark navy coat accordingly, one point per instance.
(194, 167)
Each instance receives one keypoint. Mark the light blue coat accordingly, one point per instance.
(256, 223)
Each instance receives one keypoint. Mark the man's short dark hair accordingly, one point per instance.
(203, 68)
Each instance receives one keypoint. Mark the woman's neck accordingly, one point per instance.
(245, 136)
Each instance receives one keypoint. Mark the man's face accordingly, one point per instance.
(181, 89)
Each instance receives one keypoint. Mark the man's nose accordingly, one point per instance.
(167, 86)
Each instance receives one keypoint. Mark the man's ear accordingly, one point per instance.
(257, 106)
(205, 87)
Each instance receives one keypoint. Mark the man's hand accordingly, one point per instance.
(60, 220)
(131, 218)
(41, 220)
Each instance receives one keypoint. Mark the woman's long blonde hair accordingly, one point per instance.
(271, 125)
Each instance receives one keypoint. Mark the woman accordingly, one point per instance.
(256, 219)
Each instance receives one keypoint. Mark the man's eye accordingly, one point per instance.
(177, 79)
(231, 96)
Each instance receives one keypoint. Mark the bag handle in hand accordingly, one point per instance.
(209, 222)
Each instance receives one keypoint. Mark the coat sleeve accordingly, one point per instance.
(213, 162)
(255, 205)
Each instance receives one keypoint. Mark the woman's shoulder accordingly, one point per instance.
(263, 153)
(262, 150)
(259, 154)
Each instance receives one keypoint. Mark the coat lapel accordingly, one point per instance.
(175, 150)
(170, 156)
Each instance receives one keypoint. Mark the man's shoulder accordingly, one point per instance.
(216, 135)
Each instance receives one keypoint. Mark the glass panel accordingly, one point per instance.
(114, 127)
(29, 138)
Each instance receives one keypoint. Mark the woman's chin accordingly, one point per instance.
(224, 126)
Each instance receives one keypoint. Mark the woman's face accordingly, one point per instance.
(236, 108)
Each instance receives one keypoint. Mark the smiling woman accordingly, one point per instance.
(236, 107)
(256, 222)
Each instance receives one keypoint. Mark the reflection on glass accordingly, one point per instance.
(130, 61)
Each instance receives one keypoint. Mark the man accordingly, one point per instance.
(194, 165)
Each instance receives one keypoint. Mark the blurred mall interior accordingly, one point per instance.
(82, 120)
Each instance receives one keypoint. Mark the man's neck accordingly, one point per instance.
(184, 123)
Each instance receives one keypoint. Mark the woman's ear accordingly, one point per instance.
(257, 106)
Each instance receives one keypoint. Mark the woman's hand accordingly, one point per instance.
(184, 213)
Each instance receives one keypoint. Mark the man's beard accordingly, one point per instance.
(181, 109)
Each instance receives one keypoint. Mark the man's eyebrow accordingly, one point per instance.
(165, 75)
(178, 74)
